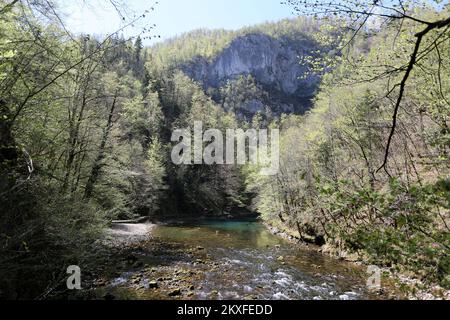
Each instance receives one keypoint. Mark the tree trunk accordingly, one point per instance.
(95, 172)
(8, 151)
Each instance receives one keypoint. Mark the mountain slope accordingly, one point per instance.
(267, 55)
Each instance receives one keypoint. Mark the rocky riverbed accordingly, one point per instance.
(216, 260)
(221, 260)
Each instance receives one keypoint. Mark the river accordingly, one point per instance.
(238, 260)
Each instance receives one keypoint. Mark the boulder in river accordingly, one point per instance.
(175, 293)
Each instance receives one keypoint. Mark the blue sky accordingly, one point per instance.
(173, 17)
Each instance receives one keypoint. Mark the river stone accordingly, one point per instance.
(174, 293)
(100, 282)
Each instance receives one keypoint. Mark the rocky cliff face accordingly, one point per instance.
(273, 63)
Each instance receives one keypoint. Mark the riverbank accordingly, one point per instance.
(411, 287)
(130, 263)
(128, 233)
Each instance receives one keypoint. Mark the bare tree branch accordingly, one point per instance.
(412, 62)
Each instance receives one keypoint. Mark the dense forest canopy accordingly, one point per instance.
(208, 43)
(85, 128)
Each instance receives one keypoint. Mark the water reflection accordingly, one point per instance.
(216, 233)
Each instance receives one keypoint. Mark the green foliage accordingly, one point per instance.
(79, 141)
(208, 43)
(329, 186)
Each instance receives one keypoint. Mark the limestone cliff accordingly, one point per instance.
(273, 63)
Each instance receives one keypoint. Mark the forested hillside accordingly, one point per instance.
(337, 182)
(253, 70)
(86, 124)
(80, 144)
